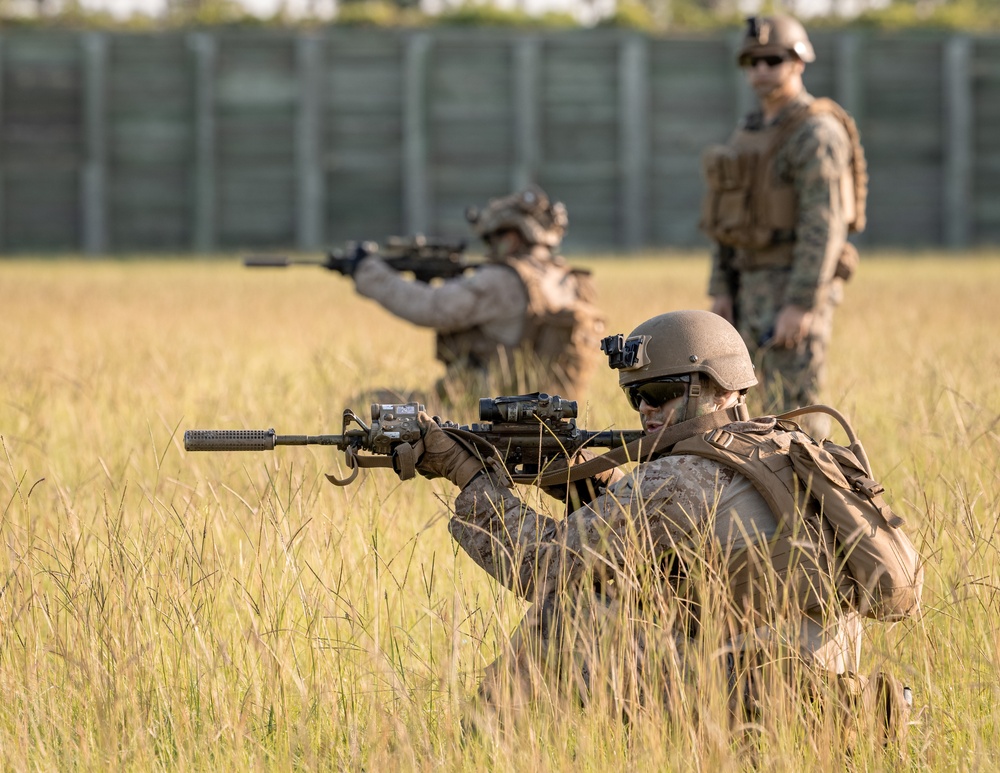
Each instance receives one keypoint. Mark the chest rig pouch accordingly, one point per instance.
(562, 332)
(749, 207)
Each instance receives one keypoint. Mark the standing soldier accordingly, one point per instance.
(782, 196)
(524, 322)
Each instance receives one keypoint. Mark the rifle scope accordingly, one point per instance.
(519, 408)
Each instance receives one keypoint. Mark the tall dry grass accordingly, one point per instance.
(160, 609)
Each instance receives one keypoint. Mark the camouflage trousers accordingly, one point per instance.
(605, 657)
(591, 653)
(790, 378)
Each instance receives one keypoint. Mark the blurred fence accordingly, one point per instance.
(239, 139)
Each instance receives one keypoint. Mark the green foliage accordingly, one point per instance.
(971, 15)
(694, 15)
(479, 14)
(648, 16)
(212, 13)
(378, 13)
(632, 15)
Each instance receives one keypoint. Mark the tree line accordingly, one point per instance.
(650, 16)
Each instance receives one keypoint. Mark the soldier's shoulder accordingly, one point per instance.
(491, 271)
(818, 137)
(821, 128)
(495, 277)
(680, 473)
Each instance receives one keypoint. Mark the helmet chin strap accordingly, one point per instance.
(698, 395)
(695, 395)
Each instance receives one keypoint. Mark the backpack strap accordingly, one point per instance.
(852, 437)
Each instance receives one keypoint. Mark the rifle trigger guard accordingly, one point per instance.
(352, 462)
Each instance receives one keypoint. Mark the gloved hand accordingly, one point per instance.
(356, 254)
(445, 457)
(581, 492)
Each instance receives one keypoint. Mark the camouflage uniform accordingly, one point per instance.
(492, 323)
(526, 322)
(814, 159)
(614, 585)
(491, 300)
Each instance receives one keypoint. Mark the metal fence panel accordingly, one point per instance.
(263, 138)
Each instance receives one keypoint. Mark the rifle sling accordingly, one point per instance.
(560, 473)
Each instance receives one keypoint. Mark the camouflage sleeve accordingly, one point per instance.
(651, 509)
(816, 158)
(489, 294)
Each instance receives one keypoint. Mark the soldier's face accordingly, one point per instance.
(654, 419)
(769, 76)
(504, 243)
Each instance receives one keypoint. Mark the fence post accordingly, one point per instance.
(847, 76)
(416, 192)
(310, 232)
(527, 148)
(848, 86)
(958, 151)
(93, 180)
(634, 140)
(203, 200)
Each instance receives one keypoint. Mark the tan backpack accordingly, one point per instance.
(877, 554)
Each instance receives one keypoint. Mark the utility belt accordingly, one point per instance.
(778, 253)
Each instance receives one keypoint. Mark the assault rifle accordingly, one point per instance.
(526, 433)
(427, 258)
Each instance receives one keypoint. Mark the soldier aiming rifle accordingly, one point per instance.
(520, 321)
(742, 539)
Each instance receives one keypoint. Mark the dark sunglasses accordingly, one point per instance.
(656, 393)
(771, 60)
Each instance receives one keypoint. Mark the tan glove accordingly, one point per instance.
(445, 457)
(587, 490)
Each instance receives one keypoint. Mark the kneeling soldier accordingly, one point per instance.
(707, 546)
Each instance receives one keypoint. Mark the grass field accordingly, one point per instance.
(160, 609)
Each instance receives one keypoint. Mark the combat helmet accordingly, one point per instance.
(775, 35)
(682, 344)
(529, 212)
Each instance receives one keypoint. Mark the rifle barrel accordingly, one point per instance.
(267, 261)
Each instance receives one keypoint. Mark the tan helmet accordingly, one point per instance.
(529, 212)
(775, 35)
(680, 343)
